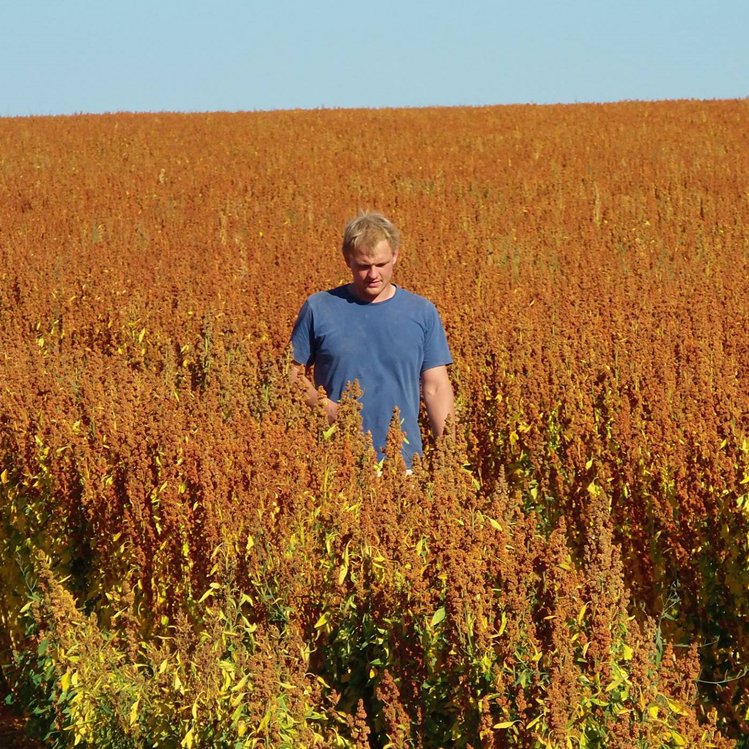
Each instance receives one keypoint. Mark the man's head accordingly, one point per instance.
(366, 230)
(370, 248)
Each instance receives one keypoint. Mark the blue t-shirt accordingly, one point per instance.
(384, 345)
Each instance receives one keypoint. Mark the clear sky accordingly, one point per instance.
(70, 56)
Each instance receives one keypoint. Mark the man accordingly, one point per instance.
(373, 331)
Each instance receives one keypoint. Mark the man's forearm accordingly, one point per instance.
(440, 405)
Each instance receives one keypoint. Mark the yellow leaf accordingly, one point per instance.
(322, 621)
(679, 740)
(134, 712)
(264, 722)
(4, 476)
(502, 625)
(614, 684)
(675, 707)
(505, 724)
(342, 574)
(188, 740)
(581, 614)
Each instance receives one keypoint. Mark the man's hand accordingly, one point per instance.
(437, 391)
(299, 373)
(331, 409)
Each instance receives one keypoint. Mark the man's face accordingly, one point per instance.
(371, 271)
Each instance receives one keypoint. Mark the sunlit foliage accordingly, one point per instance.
(193, 558)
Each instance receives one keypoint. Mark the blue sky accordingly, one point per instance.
(70, 56)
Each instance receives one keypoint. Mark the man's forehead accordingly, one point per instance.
(378, 252)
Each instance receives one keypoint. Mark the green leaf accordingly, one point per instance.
(438, 616)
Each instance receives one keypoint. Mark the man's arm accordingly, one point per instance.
(437, 392)
(299, 373)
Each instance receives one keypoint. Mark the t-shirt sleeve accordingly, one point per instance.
(302, 337)
(436, 350)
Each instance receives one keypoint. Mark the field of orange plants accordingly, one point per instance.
(192, 558)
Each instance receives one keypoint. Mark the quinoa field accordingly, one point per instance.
(192, 557)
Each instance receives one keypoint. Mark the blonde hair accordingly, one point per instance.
(366, 230)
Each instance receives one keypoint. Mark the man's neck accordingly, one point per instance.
(385, 294)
